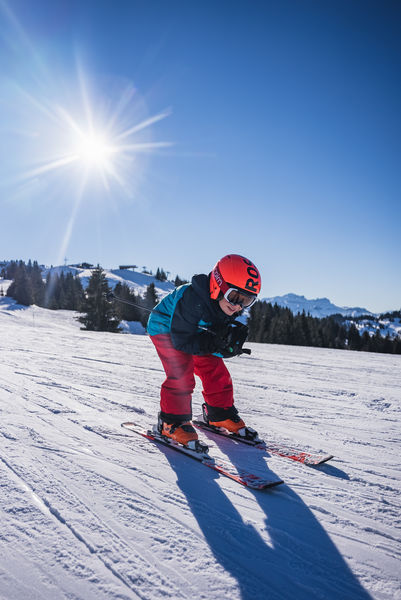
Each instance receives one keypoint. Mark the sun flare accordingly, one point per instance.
(71, 136)
(97, 138)
(94, 142)
(95, 151)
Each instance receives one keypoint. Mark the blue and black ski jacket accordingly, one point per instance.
(184, 311)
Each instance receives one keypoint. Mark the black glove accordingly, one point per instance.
(226, 340)
(235, 340)
(214, 339)
(230, 338)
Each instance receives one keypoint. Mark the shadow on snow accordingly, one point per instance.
(8, 303)
(291, 558)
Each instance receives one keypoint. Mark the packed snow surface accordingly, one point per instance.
(90, 511)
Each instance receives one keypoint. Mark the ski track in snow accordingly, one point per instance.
(90, 511)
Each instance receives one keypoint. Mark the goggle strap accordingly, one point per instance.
(224, 287)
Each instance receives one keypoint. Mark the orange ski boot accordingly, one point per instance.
(228, 419)
(183, 433)
(232, 425)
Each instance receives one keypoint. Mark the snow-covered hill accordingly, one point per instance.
(138, 282)
(90, 512)
(376, 324)
(318, 307)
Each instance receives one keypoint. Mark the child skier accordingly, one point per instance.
(193, 329)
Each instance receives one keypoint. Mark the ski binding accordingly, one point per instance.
(223, 467)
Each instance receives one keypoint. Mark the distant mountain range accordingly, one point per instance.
(318, 307)
(322, 307)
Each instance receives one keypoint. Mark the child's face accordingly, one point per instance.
(228, 308)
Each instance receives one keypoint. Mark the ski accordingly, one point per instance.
(224, 468)
(306, 458)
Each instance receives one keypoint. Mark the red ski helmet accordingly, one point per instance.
(237, 272)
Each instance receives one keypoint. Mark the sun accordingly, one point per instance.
(94, 150)
(94, 137)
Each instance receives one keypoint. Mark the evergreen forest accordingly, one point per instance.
(273, 324)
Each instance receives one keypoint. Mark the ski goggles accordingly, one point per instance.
(237, 298)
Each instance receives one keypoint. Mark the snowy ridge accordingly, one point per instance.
(91, 513)
(138, 282)
(318, 307)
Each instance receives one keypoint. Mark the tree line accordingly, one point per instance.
(103, 309)
(58, 291)
(274, 324)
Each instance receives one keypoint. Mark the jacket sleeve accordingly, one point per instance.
(185, 333)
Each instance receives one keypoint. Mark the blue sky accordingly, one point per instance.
(270, 129)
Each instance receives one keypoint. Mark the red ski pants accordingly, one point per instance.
(180, 368)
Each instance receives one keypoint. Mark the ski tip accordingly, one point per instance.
(269, 485)
(276, 483)
(324, 459)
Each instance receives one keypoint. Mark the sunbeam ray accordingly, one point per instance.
(50, 166)
(66, 137)
(71, 221)
(143, 125)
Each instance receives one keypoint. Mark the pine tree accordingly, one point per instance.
(178, 281)
(11, 270)
(148, 302)
(376, 342)
(128, 306)
(77, 294)
(365, 341)
(38, 287)
(388, 344)
(51, 291)
(21, 289)
(397, 345)
(161, 275)
(100, 313)
(354, 339)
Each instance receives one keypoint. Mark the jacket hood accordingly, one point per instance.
(200, 283)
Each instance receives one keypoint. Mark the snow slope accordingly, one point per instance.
(138, 282)
(4, 285)
(90, 512)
